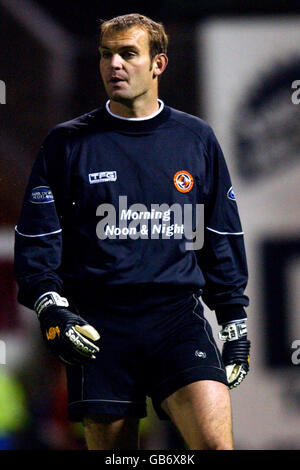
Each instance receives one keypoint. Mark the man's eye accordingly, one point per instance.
(104, 55)
(128, 54)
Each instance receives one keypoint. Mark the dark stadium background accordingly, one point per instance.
(40, 93)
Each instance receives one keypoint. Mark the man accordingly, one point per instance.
(87, 273)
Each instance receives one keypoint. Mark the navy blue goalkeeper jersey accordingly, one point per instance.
(98, 211)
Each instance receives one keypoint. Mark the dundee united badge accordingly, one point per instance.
(183, 181)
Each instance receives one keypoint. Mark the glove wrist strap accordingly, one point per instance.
(233, 331)
(47, 300)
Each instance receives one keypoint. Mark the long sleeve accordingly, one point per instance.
(223, 258)
(38, 237)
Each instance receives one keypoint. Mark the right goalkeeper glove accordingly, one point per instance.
(68, 336)
(236, 351)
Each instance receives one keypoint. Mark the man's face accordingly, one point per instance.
(125, 65)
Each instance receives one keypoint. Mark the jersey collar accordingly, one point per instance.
(146, 118)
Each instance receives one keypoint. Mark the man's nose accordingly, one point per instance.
(116, 61)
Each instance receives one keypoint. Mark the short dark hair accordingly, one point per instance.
(158, 39)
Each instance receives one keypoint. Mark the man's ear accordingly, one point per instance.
(160, 63)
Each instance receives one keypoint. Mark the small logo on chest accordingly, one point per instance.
(102, 177)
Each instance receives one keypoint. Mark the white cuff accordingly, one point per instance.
(47, 299)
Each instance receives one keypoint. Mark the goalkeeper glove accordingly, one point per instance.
(68, 336)
(236, 351)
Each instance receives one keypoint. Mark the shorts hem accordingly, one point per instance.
(78, 410)
(183, 378)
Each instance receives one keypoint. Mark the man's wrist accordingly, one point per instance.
(230, 313)
(49, 299)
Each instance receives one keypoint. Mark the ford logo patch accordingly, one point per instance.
(230, 194)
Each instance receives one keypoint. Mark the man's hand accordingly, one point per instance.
(68, 336)
(236, 351)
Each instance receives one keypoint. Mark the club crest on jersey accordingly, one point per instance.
(102, 177)
(230, 194)
(183, 181)
(41, 195)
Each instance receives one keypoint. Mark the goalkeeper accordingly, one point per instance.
(124, 313)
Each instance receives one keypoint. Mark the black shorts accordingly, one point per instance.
(146, 349)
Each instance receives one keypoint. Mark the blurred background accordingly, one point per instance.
(234, 66)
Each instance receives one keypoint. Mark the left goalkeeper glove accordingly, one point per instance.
(236, 351)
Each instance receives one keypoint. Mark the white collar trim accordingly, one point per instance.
(161, 107)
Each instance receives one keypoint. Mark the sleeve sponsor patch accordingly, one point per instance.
(41, 195)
